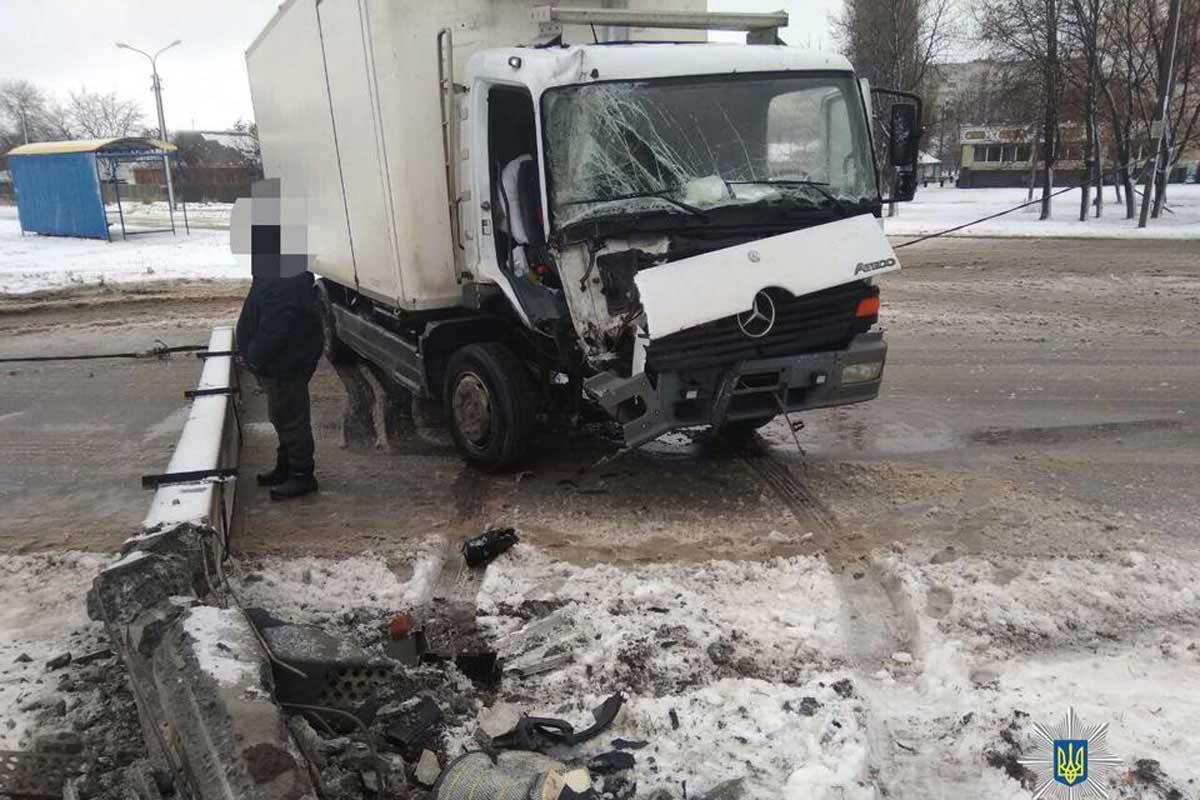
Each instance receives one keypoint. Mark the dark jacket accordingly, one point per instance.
(279, 331)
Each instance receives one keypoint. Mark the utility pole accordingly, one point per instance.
(156, 86)
(1158, 128)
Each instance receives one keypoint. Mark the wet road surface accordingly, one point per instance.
(1040, 396)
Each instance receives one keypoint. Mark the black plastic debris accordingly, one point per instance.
(614, 761)
(484, 548)
(629, 744)
(412, 726)
(844, 687)
(482, 668)
(539, 733)
(674, 720)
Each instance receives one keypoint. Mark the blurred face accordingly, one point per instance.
(271, 230)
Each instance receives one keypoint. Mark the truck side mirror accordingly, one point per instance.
(903, 143)
(903, 136)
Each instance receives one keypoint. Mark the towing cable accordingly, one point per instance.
(161, 352)
(1135, 179)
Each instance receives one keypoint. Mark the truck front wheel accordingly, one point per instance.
(489, 404)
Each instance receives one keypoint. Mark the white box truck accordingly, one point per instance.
(524, 220)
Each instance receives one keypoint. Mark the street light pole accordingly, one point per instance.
(156, 85)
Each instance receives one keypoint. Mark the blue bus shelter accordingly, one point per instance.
(59, 185)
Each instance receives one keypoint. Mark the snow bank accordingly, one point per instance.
(42, 616)
(31, 262)
(935, 209)
(322, 591)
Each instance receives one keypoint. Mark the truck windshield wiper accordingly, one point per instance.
(818, 185)
(663, 195)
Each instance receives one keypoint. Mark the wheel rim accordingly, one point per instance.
(472, 403)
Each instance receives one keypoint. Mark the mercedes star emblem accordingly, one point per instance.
(760, 319)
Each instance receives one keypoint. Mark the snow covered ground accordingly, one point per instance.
(33, 263)
(936, 209)
(780, 676)
(203, 215)
(41, 617)
(30, 263)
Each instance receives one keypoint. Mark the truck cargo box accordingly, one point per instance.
(346, 97)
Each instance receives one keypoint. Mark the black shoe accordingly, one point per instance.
(294, 486)
(273, 478)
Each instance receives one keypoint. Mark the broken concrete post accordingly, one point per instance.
(215, 687)
(200, 677)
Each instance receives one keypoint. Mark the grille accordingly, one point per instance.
(808, 324)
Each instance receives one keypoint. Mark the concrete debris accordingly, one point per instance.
(807, 707)
(408, 650)
(428, 768)
(59, 661)
(902, 657)
(95, 655)
(215, 688)
(733, 789)
(62, 741)
(537, 667)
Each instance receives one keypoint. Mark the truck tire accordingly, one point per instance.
(336, 350)
(488, 399)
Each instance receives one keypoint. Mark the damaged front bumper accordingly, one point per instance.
(745, 390)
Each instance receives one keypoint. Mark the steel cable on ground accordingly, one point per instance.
(161, 352)
(1026, 204)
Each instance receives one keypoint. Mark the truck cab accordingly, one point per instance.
(677, 234)
(599, 165)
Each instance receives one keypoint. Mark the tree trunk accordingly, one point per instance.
(1166, 72)
(1033, 162)
(1050, 126)
(1160, 182)
(1085, 186)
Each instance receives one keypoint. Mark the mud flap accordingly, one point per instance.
(711, 286)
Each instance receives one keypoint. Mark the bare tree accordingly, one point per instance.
(1082, 23)
(25, 107)
(1025, 34)
(98, 115)
(1126, 78)
(895, 42)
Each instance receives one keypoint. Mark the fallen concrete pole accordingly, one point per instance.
(200, 675)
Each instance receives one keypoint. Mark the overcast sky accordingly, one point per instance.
(62, 45)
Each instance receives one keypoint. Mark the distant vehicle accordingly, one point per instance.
(682, 234)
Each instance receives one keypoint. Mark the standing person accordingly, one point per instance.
(279, 335)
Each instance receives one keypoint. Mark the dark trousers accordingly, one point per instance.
(290, 412)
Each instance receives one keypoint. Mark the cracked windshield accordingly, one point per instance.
(636, 147)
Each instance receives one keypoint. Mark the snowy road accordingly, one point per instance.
(1011, 529)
